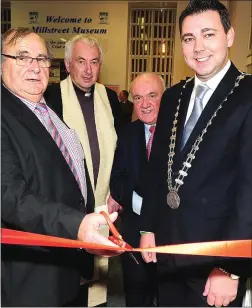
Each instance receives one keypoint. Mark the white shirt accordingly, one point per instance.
(211, 83)
(136, 199)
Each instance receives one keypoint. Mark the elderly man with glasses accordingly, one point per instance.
(44, 187)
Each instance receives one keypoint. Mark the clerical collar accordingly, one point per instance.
(86, 94)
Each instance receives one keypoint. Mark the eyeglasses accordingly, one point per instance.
(26, 61)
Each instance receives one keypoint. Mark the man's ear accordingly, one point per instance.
(230, 36)
(67, 65)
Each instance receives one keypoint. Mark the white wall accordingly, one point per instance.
(241, 12)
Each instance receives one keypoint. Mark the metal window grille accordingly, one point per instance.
(151, 45)
(5, 19)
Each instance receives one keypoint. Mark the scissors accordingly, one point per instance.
(116, 238)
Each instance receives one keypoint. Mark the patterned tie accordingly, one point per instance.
(149, 144)
(201, 91)
(52, 129)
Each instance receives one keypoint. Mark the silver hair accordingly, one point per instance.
(88, 40)
(151, 73)
(13, 35)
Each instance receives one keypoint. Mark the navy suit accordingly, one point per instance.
(216, 198)
(128, 171)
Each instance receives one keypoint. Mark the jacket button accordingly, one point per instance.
(82, 201)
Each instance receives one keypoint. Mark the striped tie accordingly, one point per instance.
(198, 107)
(149, 144)
(52, 129)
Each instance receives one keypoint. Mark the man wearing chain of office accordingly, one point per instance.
(200, 181)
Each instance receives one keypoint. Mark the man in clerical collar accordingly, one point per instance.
(93, 111)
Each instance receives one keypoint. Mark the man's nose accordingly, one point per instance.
(199, 44)
(88, 68)
(145, 102)
(34, 66)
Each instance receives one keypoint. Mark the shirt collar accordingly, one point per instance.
(214, 81)
(147, 126)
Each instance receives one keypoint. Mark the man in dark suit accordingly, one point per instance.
(43, 183)
(126, 105)
(93, 111)
(126, 185)
(200, 168)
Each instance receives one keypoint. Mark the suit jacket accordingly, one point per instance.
(129, 168)
(40, 195)
(216, 198)
(127, 109)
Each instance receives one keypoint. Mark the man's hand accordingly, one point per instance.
(148, 240)
(220, 289)
(88, 232)
(113, 206)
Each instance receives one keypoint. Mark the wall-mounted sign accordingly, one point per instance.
(56, 44)
(71, 20)
(75, 21)
(73, 30)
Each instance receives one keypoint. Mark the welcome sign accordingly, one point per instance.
(72, 29)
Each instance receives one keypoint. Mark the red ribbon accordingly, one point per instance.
(238, 249)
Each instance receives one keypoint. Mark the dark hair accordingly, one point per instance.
(11, 36)
(125, 93)
(200, 6)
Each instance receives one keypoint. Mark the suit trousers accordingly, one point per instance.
(139, 281)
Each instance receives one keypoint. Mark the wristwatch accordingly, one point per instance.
(232, 276)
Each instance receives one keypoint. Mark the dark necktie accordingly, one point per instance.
(201, 91)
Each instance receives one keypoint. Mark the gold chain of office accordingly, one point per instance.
(173, 198)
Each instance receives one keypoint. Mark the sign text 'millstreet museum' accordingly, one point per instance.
(34, 19)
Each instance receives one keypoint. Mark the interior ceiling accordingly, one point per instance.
(133, 3)
(164, 3)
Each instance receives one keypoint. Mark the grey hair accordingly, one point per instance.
(154, 74)
(88, 40)
(11, 37)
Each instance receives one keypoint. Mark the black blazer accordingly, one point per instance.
(129, 168)
(53, 96)
(216, 198)
(40, 195)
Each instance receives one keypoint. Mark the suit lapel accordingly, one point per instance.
(24, 115)
(224, 87)
(185, 99)
(139, 148)
(142, 144)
